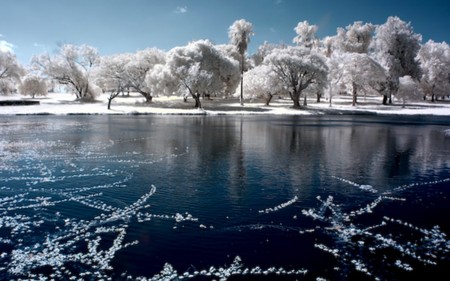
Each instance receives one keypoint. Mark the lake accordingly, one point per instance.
(224, 197)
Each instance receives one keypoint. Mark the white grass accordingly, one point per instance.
(63, 104)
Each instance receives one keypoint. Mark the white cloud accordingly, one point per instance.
(181, 10)
(6, 46)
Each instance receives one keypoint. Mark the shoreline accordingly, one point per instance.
(60, 104)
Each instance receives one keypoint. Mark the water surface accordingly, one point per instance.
(341, 197)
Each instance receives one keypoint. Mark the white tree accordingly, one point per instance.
(435, 63)
(162, 81)
(306, 35)
(396, 47)
(262, 82)
(72, 66)
(263, 51)
(202, 69)
(408, 90)
(298, 68)
(355, 38)
(111, 75)
(361, 72)
(10, 72)
(33, 85)
(139, 65)
(239, 33)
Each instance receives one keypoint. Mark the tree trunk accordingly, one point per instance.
(196, 97)
(296, 99)
(242, 80)
(355, 90)
(109, 103)
(148, 97)
(318, 97)
(385, 99)
(269, 98)
(305, 103)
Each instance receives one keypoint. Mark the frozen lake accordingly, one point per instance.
(255, 198)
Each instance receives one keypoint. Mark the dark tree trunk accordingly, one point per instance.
(295, 96)
(318, 97)
(269, 98)
(242, 80)
(198, 104)
(355, 91)
(112, 96)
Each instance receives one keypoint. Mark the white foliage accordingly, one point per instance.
(201, 68)
(10, 72)
(435, 64)
(408, 90)
(140, 64)
(298, 68)
(239, 34)
(355, 38)
(33, 85)
(396, 47)
(306, 35)
(262, 82)
(72, 67)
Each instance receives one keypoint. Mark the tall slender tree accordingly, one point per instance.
(239, 33)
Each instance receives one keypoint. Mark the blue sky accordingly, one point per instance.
(31, 27)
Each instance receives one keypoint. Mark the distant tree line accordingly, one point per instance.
(388, 60)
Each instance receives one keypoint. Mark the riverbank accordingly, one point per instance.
(134, 104)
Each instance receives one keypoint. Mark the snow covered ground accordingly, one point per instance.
(63, 104)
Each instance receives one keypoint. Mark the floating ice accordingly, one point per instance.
(280, 206)
(431, 246)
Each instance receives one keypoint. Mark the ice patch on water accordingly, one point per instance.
(446, 132)
(280, 206)
(357, 244)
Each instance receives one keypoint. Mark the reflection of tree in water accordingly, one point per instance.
(238, 170)
(366, 241)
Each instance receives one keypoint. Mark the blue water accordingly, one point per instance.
(294, 198)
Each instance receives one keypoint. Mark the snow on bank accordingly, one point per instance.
(64, 104)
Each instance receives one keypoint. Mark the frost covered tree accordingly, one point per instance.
(33, 85)
(351, 67)
(306, 35)
(361, 73)
(162, 81)
(71, 66)
(396, 47)
(408, 90)
(435, 63)
(239, 33)
(298, 68)
(111, 75)
(139, 65)
(355, 38)
(202, 69)
(10, 72)
(262, 52)
(262, 82)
